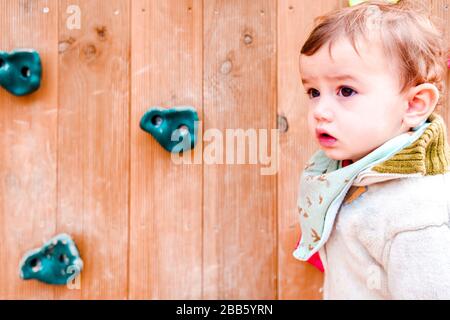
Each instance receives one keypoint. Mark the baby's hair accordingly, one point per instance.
(406, 32)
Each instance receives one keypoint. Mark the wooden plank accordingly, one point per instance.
(166, 198)
(28, 128)
(93, 143)
(297, 280)
(440, 13)
(239, 202)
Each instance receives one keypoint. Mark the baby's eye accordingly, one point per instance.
(347, 92)
(313, 93)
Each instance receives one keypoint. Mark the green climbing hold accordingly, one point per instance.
(20, 71)
(56, 262)
(175, 129)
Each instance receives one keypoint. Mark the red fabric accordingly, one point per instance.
(316, 262)
(346, 163)
(315, 258)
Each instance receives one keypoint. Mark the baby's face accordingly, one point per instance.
(355, 99)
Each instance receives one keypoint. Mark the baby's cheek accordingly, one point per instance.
(364, 140)
(356, 146)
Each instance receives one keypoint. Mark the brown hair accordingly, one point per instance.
(406, 33)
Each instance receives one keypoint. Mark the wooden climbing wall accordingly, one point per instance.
(74, 160)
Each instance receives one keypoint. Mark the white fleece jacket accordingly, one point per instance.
(392, 241)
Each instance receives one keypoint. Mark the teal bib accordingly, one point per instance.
(324, 184)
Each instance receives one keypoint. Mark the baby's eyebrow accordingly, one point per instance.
(333, 77)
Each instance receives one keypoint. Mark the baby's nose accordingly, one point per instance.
(323, 112)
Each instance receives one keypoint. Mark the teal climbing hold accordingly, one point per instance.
(56, 262)
(20, 71)
(175, 129)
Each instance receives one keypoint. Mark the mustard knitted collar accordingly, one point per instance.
(428, 155)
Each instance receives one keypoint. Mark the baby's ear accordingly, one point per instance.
(422, 100)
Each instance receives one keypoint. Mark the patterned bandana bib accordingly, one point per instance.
(324, 184)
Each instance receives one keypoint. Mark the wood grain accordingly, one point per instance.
(440, 14)
(93, 144)
(28, 127)
(239, 203)
(166, 198)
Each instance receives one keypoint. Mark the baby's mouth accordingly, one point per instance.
(325, 139)
(326, 136)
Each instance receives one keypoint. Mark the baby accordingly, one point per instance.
(374, 201)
